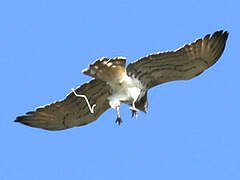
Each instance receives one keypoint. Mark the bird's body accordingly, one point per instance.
(114, 83)
(126, 91)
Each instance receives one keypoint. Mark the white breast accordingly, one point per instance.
(128, 90)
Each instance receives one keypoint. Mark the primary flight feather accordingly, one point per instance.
(114, 84)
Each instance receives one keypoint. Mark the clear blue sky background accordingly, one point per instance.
(192, 129)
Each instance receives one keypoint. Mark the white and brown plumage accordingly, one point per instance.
(114, 83)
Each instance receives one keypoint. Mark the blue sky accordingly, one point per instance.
(192, 127)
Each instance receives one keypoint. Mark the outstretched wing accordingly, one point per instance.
(182, 64)
(72, 111)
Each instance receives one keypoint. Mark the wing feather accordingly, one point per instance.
(182, 64)
(72, 111)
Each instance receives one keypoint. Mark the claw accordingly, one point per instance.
(118, 121)
(134, 112)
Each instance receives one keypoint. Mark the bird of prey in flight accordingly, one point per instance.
(115, 83)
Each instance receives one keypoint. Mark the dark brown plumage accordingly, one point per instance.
(182, 64)
(114, 83)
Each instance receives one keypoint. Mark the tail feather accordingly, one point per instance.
(107, 69)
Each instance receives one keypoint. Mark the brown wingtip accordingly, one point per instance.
(214, 45)
(221, 34)
(218, 34)
(225, 34)
(18, 119)
(23, 120)
(28, 120)
(222, 39)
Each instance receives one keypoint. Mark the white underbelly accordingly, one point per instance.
(128, 91)
(124, 95)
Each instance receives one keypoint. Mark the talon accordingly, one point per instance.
(118, 121)
(134, 112)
